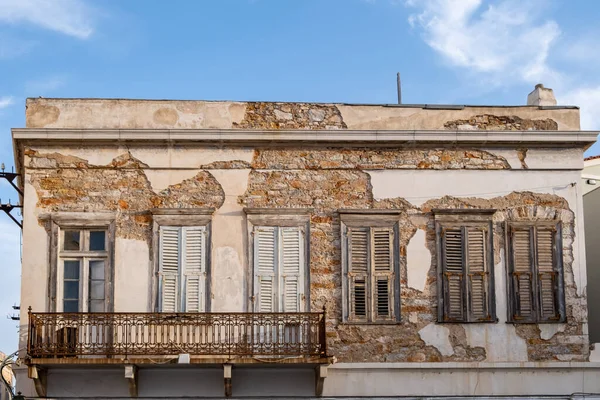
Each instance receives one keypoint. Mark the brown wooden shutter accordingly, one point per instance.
(453, 274)
(547, 274)
(523, 307)
(478, 274)
(383, 272)
(358, 272)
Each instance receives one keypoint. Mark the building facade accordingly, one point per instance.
(211, 249)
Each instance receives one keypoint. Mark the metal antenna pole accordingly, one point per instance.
(399, 88)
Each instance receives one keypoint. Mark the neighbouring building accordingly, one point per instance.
(590, 181)
(212, 248)
(8, 378)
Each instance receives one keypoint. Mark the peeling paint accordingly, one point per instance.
(418, 261)
(437, 336)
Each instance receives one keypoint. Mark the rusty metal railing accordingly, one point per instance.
(159, 334)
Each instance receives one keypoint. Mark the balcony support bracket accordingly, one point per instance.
(131, 374)
(39, 379)
(227, 379)
(320, 375)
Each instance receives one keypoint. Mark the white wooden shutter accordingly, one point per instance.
(194, 267)
(265, 268)
(382, 254)
(292, 269)
(358, 272)
(169, 259)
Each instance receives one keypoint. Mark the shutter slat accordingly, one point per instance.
(453, 273)
(169, 268)
(476, 264)
(292, 267)
(383, 272)
(546, 274)
(359, 254)
(265, 253)
(358, 294)
(522, 274)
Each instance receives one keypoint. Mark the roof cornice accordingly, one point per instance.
(342, 137)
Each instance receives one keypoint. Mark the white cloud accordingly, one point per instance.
(588, 98)
(70, 17)
(6, 101)
(504, 41)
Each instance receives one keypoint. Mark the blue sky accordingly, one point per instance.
(448, 51)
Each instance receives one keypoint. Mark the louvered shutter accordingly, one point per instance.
(292, 267)
(382, 272)
(194, 267)
(477, 274)
(265, 268)
(169, 257)
(453, 282)
(522, 274)
(547, 274)
(358, 272)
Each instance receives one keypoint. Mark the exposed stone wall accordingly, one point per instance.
(291, 116)
(327, 180)
(67, 183)
(489, 122)
(378, 159)
(328, 190)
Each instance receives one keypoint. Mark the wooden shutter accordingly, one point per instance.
(382, 256)
(358, 272)
(169, 256)
(194, 267)
(292, 268)
(453, 282)
(265, 268)
(522, 274)
(547, 274)
(478, 274)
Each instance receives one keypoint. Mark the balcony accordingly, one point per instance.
(110, 338)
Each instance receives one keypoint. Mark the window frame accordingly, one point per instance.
(465, 218)
(84, 222)
(281, 218)
(179, 218)
(558, 266)
(370, 218)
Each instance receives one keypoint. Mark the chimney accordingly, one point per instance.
(541, 96)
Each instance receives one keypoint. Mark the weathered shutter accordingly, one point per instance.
(358, 272)
(265, 268)
(522, 274)
(169, 258)
(382, 256)
(292, 267)
(194, 267)
(453, 274)
(547, 274)
(477, 274)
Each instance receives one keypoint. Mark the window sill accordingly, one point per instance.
(492, 321)
(378, 323)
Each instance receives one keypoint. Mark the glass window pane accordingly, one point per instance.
(97, 269)
(97, 306)
(71, 269)
(72, 240)
(71, 306)
(71, 290)
(97, 290)
(97, 240)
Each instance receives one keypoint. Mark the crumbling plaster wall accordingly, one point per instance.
(157, 114)
(326, 180)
